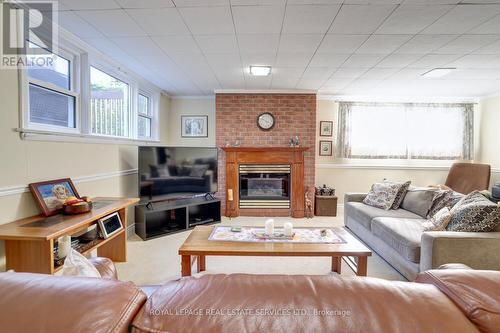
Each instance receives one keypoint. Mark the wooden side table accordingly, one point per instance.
(325, 205)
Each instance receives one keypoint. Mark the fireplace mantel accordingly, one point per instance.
(294, 156)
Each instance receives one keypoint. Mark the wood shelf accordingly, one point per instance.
(100, 242)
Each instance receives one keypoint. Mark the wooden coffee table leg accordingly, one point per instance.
(337, 264)
(186, 265)
(362, 266)
(201, 263)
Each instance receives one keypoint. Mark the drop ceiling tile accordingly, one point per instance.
(258, 42)
(383, 44)
(258, 58)
(257, 2)
(258, 19)
(200, 3)
(300, 42)
(466, 44)
(475, 74)
(283, 72)
(159, 22)
(341, 43)
(76, 25)
(177, 44)
(493, 48)
(309, 18)
(208, 20)
(294, 59)
(336, 84)
(349, 73)
(257, 82)
(398, 60)
(217, 43)
(360, 19)
(434, 60)
(310, 84)
(362, 60)
(423, 44)
(491, 26)
(318, 73)
(137, 46)
(328, 59)
(411, 19)
(145, 3)
(89, 4)
(407, 74)
(108, 47)
(220, 60)
(462, 18)
(476, 61)
(315, 2)
(380, 73)
(284, 83)
(112, 23)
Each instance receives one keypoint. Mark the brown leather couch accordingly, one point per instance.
(456, 299)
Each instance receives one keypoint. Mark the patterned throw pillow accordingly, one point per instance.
(382, 195)
(474, 213)
(444, 198)
(401, 193)
(439, 221)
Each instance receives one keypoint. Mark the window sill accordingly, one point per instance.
(48, 136)
(382, 167)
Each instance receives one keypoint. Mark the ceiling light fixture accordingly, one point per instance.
(438, 72)
(260, 70)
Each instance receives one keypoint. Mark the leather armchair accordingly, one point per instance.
(468, 177)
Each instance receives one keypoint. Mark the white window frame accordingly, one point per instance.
(74, 72)
(82, 56)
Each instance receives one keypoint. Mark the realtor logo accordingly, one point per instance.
(29, 33)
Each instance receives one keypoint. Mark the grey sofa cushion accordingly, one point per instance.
(403, 235)
(364, 213)
(419, 200)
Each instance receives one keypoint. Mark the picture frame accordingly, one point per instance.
(50, 195)
(326, 128)
(110, 225)
(194, 126)
(325, 148)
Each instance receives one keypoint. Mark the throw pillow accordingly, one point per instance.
(401, 193)
(382, 195)
(418, 200)
(474, 213)
(438, 222)
(76, 264)
(444, 198)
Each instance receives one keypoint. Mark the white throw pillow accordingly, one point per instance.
(438, 222)
(76, 264)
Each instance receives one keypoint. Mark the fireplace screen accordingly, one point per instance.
(264, 186)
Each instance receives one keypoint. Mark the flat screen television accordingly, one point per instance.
(173, 172)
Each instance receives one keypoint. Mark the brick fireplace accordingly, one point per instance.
(236, 119)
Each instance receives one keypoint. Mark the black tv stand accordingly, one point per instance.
(160, 218)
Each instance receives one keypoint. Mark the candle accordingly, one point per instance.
(270, 227)
(63, 246)
(288, 227)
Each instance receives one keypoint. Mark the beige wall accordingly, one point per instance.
(25, 161)
(489, 130)
(191, 106)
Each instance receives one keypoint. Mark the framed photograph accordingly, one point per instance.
(325, 148)
(194, 126)
(110, 225)
(326, 128)
(51, 195)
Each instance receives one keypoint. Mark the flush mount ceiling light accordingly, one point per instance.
(438, 72)
(260, 70)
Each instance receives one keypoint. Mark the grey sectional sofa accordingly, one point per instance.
(398, 237)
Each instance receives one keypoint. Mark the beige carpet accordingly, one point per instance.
(156, 261)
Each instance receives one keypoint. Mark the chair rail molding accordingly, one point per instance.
(19, 189)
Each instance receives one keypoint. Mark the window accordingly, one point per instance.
(109, 104)
(52, 94)
(405, 131)
(145, 116)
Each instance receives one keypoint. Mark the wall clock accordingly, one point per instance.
(265, 121)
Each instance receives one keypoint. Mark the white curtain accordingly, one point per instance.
(401, 131)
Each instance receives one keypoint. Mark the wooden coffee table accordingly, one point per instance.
(197, 246)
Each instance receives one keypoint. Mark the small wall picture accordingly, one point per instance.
(194, 126)
(326, 128)
(325, 148)
(51, 195)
